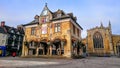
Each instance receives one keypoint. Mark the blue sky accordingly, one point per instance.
(89, 13)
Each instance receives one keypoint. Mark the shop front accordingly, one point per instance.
(46, 47)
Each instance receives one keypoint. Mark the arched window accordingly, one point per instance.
(98, 40)
(118, 48)
(118, 43)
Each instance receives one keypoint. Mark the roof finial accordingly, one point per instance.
(101, 24)
(109, 24)
(45, 4)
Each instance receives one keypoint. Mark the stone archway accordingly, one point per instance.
(31, 48)
(118, 48)
(57, 48)
(43, 44)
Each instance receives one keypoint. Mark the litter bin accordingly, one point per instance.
(2, 51)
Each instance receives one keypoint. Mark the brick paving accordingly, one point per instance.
(89, 62)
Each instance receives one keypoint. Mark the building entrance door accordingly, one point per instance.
(45, 49)
(57, 49)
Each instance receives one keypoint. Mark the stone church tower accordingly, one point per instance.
(99, 41)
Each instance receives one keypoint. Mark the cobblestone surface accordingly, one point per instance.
(89, 62)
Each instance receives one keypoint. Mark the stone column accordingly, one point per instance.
(37, 50)
(50, 50)
(23, 48)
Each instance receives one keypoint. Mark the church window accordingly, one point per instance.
(98, 40)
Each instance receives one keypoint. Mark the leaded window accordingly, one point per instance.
(73, 29)
(33, 31)
(98, 40)
(57, 27)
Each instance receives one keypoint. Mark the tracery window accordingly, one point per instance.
(98, 40)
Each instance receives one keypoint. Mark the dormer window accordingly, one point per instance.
(59, 15)
(36, 20)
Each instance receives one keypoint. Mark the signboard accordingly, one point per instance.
(44, 29)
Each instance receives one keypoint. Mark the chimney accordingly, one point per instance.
(2, 23)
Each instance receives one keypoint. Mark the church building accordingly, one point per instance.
(101, 42)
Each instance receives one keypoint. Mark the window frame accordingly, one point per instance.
(78, 32)
(33, 30)
(98, 40)
(74, 29)
(57, 27)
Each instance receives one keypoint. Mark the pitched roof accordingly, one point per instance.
(55, 17)
(31, 23)
(64, 16)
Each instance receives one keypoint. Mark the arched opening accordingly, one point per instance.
(32, 49)
(118, 48)
(43, 47)
(57, 48)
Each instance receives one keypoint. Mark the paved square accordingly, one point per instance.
(89, 62)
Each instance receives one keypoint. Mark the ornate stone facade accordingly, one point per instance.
(51, 33)
(101, 42)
